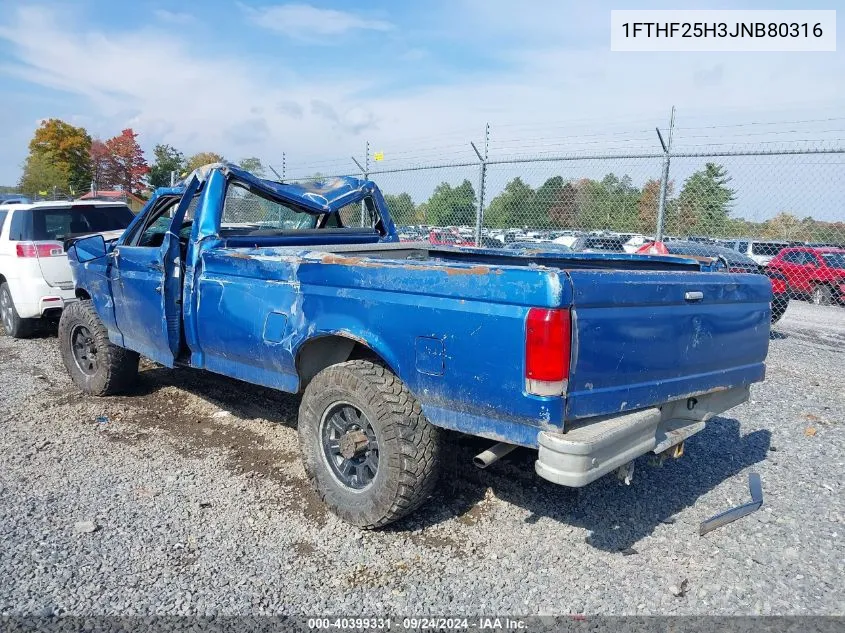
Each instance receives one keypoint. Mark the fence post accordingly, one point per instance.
(664, 180)
(482, 177)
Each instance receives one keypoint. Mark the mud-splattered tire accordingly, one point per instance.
(13, 324)
(382, 417)
(96, 366)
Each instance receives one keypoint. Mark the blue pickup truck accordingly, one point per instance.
(592, 360)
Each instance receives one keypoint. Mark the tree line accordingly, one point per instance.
(66, 158)
(613, 203)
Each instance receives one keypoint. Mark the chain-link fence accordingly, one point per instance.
(754, 207)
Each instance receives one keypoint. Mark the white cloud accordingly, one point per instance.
(204, 100)
(305, 22)
(173, 17)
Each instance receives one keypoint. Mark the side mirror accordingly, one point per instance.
(90, 248)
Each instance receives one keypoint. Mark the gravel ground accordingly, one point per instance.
(187, 497)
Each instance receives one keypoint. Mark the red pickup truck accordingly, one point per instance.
(817, 273)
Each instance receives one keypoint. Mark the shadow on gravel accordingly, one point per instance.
(242, 399)
(617, 516)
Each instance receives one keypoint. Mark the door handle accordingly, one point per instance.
(694, 296)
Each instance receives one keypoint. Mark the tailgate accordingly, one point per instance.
(55, 269)
(641, 339)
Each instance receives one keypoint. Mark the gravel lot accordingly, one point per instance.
(199, 506)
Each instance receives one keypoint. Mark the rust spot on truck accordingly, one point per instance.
(331, 258)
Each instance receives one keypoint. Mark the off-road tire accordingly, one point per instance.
(409, 446)
(822, 295)
(12, 323)
(117, 368)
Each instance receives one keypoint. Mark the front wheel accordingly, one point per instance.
(822, 296)
(96, 366)
(367, 448)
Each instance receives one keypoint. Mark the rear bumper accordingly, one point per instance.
(33, 298)
(597, 446)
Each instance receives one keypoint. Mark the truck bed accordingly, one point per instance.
(451, 323)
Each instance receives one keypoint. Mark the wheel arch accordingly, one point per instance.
(82, 294)
(324, 350)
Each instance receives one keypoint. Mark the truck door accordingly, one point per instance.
(147, 282)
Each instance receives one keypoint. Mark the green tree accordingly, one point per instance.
(705, 200)
(167, 159)
(402, 208)
(68, 148)
(42, 174)
(202, 158)
(513, 207)
(452, 205)
(611, 203)
(555, 203)
(253, 165)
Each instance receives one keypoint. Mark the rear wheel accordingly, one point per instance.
(13, 324)
(822, 296)
(366, 446)
(96, 366)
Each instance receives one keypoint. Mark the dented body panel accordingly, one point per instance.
(269, 307)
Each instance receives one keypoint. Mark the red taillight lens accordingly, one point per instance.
(40, 249)
(778, 286)
(547, 348)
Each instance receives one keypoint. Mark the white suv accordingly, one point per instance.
(35, 277)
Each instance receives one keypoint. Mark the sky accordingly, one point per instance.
(316, 82)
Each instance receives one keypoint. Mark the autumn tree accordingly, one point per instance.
(64, 146)
(202, 158)
(649, 204)
(102, 169)
(168, 160)
(127, 166)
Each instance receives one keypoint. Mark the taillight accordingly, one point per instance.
(547, 348)
(39, 249)
(778, 286)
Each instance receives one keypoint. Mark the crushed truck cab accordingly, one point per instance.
(591, 359)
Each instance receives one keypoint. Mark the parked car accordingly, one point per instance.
(448, 237)
(390, 343)
(599, 244)
(727, 259)
(817, 273)
(760, 251)
(35, 278)
(538, 247)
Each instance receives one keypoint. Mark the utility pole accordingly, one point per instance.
(482, 177)
(664, 181)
